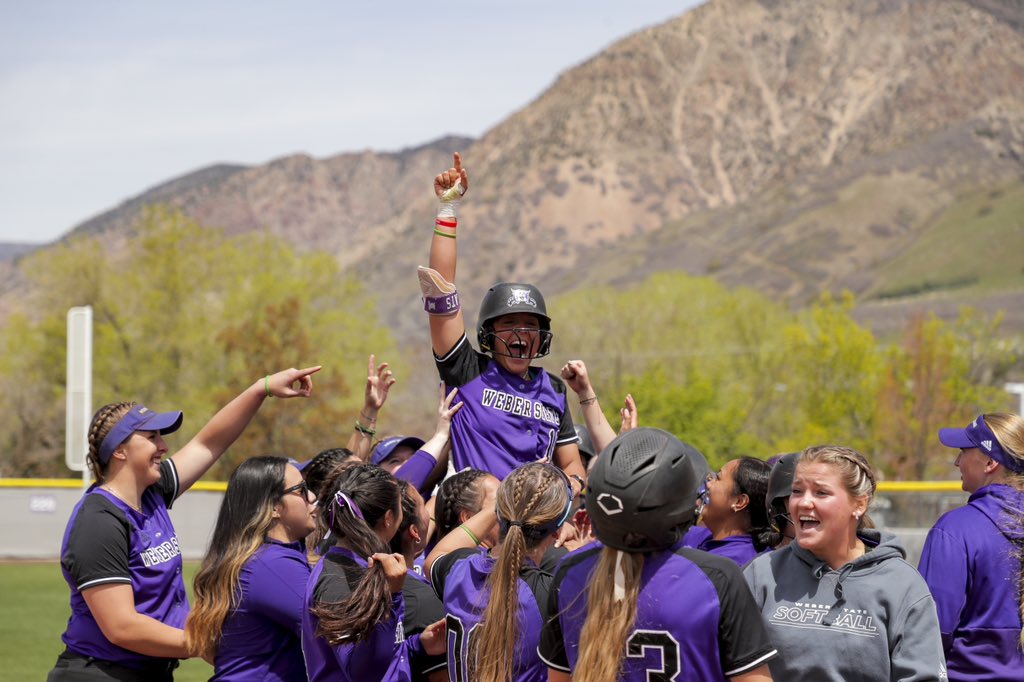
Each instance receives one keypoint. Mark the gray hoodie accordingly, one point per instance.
(873, 620)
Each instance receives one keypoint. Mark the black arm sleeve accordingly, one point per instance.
(742, 636)
(461, 364)
(98, 546)
(443, 565)
(552, 645)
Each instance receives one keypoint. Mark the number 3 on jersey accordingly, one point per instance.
(640, 644)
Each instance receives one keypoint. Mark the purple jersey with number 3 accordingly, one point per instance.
(695, 619)
(505, 420)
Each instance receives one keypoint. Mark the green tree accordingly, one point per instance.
(185, 318)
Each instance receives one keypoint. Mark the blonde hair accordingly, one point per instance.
(854, 473)
(531, 497)
(1009, 431)
(245, 515)
(609, 620)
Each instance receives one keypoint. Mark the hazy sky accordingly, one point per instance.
(101, 100)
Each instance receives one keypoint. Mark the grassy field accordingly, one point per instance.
(35, 612)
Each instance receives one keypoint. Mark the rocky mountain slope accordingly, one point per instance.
(789, 145)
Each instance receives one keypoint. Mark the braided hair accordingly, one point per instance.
(103, 421)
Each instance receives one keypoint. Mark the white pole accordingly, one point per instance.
(79, 391)
(1017, 388)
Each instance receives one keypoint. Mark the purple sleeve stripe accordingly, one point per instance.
(555, 666)
(101, 581)
(753, 664)
(447, 355)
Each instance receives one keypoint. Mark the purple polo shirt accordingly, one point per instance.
(505, 420)
(108, 542)
(970, 568)
(261, 637)
(384, 655)
(696, 618)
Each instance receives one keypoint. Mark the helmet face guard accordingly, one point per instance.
(490, 342)
(507, 298)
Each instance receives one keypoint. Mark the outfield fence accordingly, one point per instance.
(34, 512)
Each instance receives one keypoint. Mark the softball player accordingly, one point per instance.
(638, 605)
(120, 554)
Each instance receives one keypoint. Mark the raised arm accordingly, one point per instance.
(437, 282)
(379, 381)
(574, 373)
(206, 447)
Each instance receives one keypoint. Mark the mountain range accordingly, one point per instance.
(791, 146)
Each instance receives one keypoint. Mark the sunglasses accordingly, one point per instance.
(300, 489)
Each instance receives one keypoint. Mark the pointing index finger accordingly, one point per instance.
(458, 163)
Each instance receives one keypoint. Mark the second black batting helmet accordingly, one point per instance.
(641, 493)
(780, 487)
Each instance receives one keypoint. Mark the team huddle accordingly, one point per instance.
(515, 545)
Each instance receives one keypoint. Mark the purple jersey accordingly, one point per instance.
(459, 577)
(695, 619)
(108, 542)
(739, 548)
(384, 655)
(422, 608)
(261, 635)
(969, 564)
(505, 420)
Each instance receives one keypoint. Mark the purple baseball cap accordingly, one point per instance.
(977, 434)
(301, 466)
(388, 445)
(139, 418)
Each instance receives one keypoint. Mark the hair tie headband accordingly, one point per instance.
(342, 501)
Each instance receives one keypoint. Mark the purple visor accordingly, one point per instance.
(978, 435)
(139, 418)
(387, 446)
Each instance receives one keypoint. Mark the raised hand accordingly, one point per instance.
(574, 373)
(291, 383)
(445, 183)
(379, 381)
(630, 416)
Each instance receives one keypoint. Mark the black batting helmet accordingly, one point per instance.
(642, 491)
(505, 298)
(780, 487)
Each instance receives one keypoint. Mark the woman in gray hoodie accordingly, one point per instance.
(840, 602)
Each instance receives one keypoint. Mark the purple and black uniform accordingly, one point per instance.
(108, 542)
(505, 420)
(261, 637)
(384, 655)
(695, 618)
(459, 578)
(969, 565)
(422, 608)
(739, 548)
